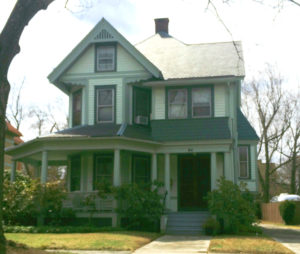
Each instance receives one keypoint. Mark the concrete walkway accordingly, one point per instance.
(169, 244)
(290, 238)
(90, 251)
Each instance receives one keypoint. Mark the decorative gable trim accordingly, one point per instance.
(102, 32)
(103, 35)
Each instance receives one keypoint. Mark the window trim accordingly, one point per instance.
(248, 162)
(112, 44)
(145, 156)
(189, 102)
(77, 156)
(107, 155)
(134, 108)
(79, 91)
(105, 87)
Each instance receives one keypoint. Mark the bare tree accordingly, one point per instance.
(22, 13)
(272, 111)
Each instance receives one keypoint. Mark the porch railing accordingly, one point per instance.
(88, 201)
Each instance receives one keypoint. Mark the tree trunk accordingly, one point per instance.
(293, 174)
(266, 190)
(22, 13)
(4, 91)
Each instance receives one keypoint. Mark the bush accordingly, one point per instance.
(140, 206)
(287, 211)
(211, 227)
(233, 206)
(26, 199)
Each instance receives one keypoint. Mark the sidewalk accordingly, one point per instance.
(169, 244)
(290, 238)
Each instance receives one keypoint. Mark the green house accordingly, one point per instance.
(160, 110)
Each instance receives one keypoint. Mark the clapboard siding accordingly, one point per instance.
(220, 100)
(158, 103)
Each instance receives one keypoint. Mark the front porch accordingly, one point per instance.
(187, 171)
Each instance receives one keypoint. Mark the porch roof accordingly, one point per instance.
(245, 130)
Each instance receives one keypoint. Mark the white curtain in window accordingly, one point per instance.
(201, 101)
(177, 103)
(105, 105)
(105, 58)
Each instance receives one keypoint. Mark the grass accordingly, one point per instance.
(247, 244)
(123, 240)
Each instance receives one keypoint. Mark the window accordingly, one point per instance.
(75, 173)
(141, 169)
(105, 98)
(103, 169)
(244, 161)
(141, 105)
(105, 58)
(192, 102)
(201, 102)
(76, 108)
(177, 103)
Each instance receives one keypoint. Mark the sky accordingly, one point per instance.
(269, 35)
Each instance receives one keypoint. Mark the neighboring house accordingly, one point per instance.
(161, 109)
(12, 138)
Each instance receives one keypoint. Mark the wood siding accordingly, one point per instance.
(158, 103)
(220, 100)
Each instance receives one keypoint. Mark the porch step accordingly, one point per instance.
(186, 223)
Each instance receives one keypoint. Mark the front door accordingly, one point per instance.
(194, 181)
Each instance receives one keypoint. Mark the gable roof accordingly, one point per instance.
(102, 32)
(178, 60)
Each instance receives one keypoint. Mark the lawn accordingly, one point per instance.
(247, 244)
(89, 241)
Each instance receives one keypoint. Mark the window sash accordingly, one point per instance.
(141, 175)
(105, 59)
(76, 108)
(141, 103)
(105, 106)
(75, 174)
(202, 104)
(244, 162)
(180, 107)
(99, 175)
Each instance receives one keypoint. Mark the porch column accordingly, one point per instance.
(167, 179)
(13, 171)
(117, 173)
(154, 167)
(213, 170)
(44, 167)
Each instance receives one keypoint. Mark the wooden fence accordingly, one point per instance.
(270, 212)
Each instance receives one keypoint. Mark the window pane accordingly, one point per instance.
(141, 106)
(243, 169)
(77, 107)
(75, 172)
(243, 150)
(105, 97)
(105, 114)
(177, 103)
(141, 170)
(104, 169)
(201, 102)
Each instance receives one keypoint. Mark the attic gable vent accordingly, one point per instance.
(103, 35)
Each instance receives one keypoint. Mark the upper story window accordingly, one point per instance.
(201, 102)
(189, 102)
(75, 173)
(177, 103)
(141, 105)
(105, 58)
(244, 162)
(105, 104)
(76, 108)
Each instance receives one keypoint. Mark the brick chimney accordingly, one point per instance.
(162, 25)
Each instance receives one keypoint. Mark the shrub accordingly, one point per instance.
(211, 226)
(287, 211)
(232, 205)
(141, 206)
